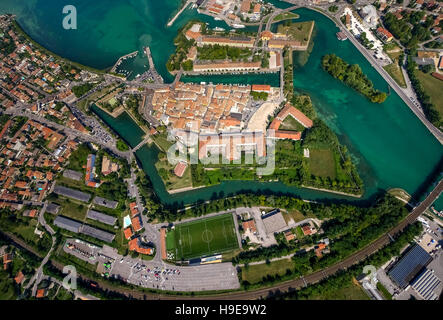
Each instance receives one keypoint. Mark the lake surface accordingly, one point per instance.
(389, 144)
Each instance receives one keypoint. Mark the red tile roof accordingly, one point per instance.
(40, 293)
(261, 87)
(384, 32)
(133, 207)
(180, 168)
(306, 230)
(283, 134)
(134, 245)
(289, 235)
(136, 223)
(33, 213)
(128, 233)
(249, 225)
(296, 114)
(19, 277)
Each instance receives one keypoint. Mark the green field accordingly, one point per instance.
(255, 273)
(285, 16)
(205, 237)
(349, 292)
(299, 31)
(291, 124)
(322, 163)
(433, 87)
(171, 181)
(296, 215)
(395, 72)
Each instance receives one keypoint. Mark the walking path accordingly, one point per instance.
(170, 23)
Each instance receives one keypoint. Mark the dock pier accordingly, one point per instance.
(120, 60)
(171, 22)
(152, 72)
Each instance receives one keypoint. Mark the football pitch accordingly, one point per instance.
(205, 237)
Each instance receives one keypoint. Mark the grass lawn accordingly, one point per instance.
(350, 292)
(205, 236)
(78, 158)
(285, 16)
(433, 87)
(291, 124)
(26, 231)
(255, 273)
(299, 31)
(393, 51)
(162, 142)
(295, 215)
(64, 294)
(72, 208)
(94, 97)
(7, 288)
(384, 291)
(299, 232)
(322, 163)
(173, 182)
(395, 72)
(170, 241)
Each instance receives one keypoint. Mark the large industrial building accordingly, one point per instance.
(405, 270)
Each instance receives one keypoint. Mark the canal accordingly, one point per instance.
(389, 144)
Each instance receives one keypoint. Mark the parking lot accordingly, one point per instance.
(96, 129)
(431, 241)
(153, 274)
(159, 275)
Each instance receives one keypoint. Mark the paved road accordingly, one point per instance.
(416, 110)
(276, 13)
(436, 132)
(309, 279)
(296, 283)
(39, 276)
(170, 23)
(68, 131)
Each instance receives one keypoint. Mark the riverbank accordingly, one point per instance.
(184, 189)
(117, 112)
(187, 3)
(334, 191)
(359, 127)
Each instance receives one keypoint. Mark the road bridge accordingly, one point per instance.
(157, 77)
(276, 13)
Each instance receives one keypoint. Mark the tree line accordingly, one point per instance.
(425, 100)
(353, 76)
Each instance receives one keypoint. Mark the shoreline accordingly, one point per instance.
(175, 191)
(334, 191)
(118, 112)
(74, 63)
(49, 52)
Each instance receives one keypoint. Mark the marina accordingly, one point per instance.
(120, 60)
(390, 129)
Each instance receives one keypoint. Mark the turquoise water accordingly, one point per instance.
(123, 125)
(390, 145)
(107, 29)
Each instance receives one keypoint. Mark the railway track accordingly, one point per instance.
(283, 286)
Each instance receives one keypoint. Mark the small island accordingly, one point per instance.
(353, 76)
